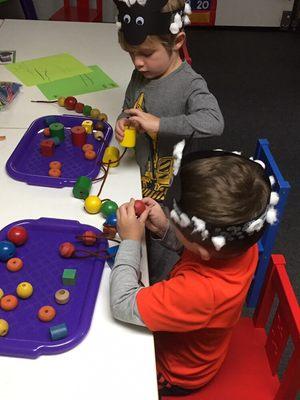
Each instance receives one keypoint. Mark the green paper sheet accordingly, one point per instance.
(47, 69)
(80, 84)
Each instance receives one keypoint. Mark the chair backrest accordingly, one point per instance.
(285, 324)
(266, 243)
(184, 54)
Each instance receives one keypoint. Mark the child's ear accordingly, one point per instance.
(204, 254)
(179, 41)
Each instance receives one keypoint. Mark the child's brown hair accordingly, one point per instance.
(224, 191)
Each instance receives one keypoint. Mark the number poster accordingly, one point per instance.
(203, 12)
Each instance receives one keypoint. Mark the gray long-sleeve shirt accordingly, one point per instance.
(184, 105)
(124, 278)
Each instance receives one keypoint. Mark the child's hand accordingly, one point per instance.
(128, 225)
(157, 222)
(145, 121)
(119, 129)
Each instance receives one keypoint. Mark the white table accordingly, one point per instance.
(114, 360)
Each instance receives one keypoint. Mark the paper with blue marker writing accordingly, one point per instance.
(47, 69)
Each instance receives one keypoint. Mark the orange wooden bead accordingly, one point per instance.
(87, 147)
(55, 165)
(47, 132)
(90, 155)
(9, 302)
(46, 313)
(54, 172)
(14, 264)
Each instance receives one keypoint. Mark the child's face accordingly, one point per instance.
(152, 59)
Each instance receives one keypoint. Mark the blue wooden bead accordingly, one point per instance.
(50, 120)
(7, 250)
(58, 332)
(111, 220)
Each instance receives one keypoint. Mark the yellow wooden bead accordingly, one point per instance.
(3, 327)
(129, 137)
(95, 113)
(88, 125)
(61, 101)
(111, 154)
(24, 290)
(1, 293)
(103, 117)
(92, 204)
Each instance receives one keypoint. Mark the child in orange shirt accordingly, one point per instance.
(219, 204)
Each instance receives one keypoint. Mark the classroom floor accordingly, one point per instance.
(255, 75)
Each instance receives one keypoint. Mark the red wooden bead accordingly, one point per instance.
(78, 134)
(79, 108)
(17, 235)
(70, 103)
(139, 207)
(66, 249)
(47, 132)
(47, 148)
(89, 238)
(90, 155)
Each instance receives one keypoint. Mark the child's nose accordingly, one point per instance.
(138, 62)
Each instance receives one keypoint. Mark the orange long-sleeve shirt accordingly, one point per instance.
(192, 315)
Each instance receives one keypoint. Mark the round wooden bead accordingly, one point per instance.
(87, 146)
(3, 327)
(87, 110)
(103, 117)
(55, 165)
(46, 313)
(9, 302)
(99, 126)
(79, 108)
(24, 290)
(7, 250)
(14, 264)
(47, 132)
(95, 113)
(18, 235)
(61, 101)
(66, 249)
(90, 155)
(89, 238)
(139, 207)
(70, 103)
(62, 296)
(1, 293)
(109, 207)
(92, 204)
(54, 172)
(98, 135)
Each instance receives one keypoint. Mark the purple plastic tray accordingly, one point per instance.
(26, 163)
(43, 268)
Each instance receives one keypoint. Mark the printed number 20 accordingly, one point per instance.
(202, 4)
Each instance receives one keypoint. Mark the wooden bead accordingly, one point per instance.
(47, 132)
(24, 290)
(9, 302)
(14, 264)
(87, 147)
(103, 117)
(109, 230)
(78, 135)
(62, 296)
(55, 165)
(90, 155)
(46, 313)
(1, 293)
(89, 238)
(66, 249)
(47, 148)
(69, 277)
(58, 332)
(88, 125)
(17, 234)
(98, 135)
(3, 327)
(87, 110)
(61, 101)
(79, 108)
(95, 113)
(70, 103)
(99, 126)
(54, 172)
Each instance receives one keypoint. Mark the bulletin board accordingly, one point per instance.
(203, 12)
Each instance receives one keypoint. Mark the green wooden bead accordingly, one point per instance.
(57, 129)
(69, 277)
(87, 110)
(82, 187)
(108, 207)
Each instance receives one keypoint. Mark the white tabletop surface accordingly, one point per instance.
(114, 360)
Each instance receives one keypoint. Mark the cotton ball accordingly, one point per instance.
(271, 216)
(274, 198)
(218, 242)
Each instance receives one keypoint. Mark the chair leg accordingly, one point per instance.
(28, 9)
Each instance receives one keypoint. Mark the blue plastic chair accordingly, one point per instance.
(266, 243)
(28, 9)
